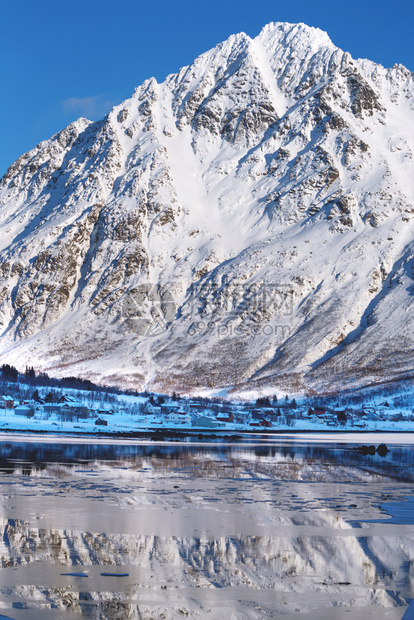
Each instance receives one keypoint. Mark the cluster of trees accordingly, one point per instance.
(10, 374)
(156, 400)
(51, 397)
(264, 401)
(402, 391)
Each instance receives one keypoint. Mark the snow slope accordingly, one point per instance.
(248, 223)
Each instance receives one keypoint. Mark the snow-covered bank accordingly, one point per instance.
(31, 407)
(130, 425)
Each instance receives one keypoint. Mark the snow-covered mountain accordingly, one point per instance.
(247, 222)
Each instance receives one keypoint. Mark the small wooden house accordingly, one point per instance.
(225, 417)
(6, 402)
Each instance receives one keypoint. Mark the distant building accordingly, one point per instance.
(67, 399)
(25, 410)
(205, 422)
(67, 410)
(179, 417)
(260, 424)
(106, 411)
(6, 402)
(101, 422)
(170, 407)
(151, 409)
(51, 408)
(74, 410)
(225, 417)
(31, 403)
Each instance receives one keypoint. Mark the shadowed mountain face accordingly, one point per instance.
(247, 222)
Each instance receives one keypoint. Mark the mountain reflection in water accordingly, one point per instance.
(256, 529)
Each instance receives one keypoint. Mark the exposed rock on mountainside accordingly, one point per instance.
(248, 221)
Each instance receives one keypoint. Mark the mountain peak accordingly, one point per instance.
(248, 220)
(295, 35)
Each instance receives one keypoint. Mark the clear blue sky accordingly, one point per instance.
(61, 59)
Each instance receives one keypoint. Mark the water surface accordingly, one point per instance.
(299, 527)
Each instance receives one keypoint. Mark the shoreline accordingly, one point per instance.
(170, 435)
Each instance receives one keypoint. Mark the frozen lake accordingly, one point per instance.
(295, 526)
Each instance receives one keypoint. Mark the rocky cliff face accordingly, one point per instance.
(247, 222)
